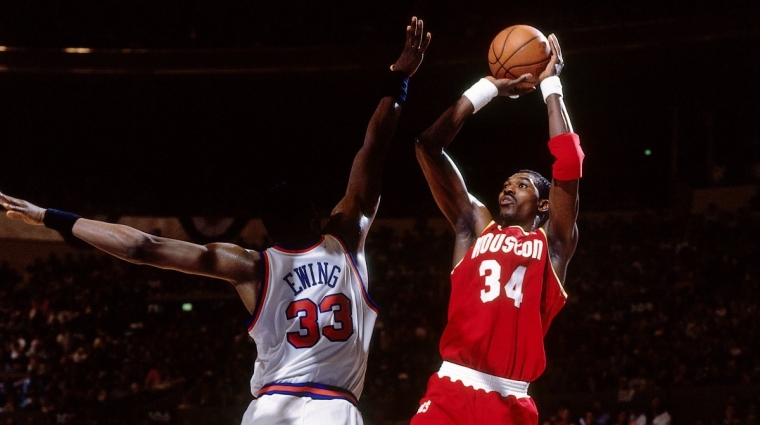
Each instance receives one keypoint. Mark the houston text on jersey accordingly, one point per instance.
(495, 242)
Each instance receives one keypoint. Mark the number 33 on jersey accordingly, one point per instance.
(313, 310)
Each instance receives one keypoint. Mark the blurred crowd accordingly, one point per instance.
(660, 304)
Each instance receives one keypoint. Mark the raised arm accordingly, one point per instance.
(467, 215)
(353, 215)
(221, 261)
(561, 228)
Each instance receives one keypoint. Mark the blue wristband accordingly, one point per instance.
(61, 221)
(396, 85)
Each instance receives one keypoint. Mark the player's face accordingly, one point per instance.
(518, 199)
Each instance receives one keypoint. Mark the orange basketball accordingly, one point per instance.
(518, 50)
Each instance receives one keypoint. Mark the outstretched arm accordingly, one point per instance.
(561, 228)
(222, 261)
(467, 215)
(353, 215)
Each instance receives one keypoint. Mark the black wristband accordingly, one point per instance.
(61, 221)
(395, 85)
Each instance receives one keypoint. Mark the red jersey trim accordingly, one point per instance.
(488, 227)
(355, 268)
(311, 390)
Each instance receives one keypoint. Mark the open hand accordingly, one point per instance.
(512, 88)
(18, 209)
(417, 41)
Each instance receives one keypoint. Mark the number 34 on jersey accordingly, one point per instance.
(490, 269)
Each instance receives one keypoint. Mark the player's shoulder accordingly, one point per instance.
(338, 242)
(350, 231)
(473, 221)
(476, 203)
(231, 249)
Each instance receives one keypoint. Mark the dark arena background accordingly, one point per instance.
(175, 116)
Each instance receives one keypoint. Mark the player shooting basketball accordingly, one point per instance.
(508, 270)
(311, 317)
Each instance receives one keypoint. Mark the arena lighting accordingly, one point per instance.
(3, 48)
(77, 50)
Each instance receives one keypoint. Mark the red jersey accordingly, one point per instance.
(504, 295)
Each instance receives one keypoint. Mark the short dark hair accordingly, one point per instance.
(542, 184)
(287, 211)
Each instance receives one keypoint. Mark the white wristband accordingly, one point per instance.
(481, 93)
(551, 85)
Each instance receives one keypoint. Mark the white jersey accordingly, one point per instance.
(313, 323)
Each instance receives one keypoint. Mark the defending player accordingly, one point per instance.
(506, 282)
(311, 317)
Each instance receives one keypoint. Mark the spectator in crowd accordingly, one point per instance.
(617, 273)
(312, 347)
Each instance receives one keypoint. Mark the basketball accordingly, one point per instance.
(518, 50)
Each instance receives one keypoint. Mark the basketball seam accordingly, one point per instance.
(528, 64)
(517, 50)
(504, 43)
(493, 48)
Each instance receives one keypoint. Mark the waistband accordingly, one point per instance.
(309, 389)
(483, 381)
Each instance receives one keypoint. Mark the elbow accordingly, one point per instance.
(424, 150)
(138, 249)
(420, 153)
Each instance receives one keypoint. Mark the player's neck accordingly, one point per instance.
(526, 227)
